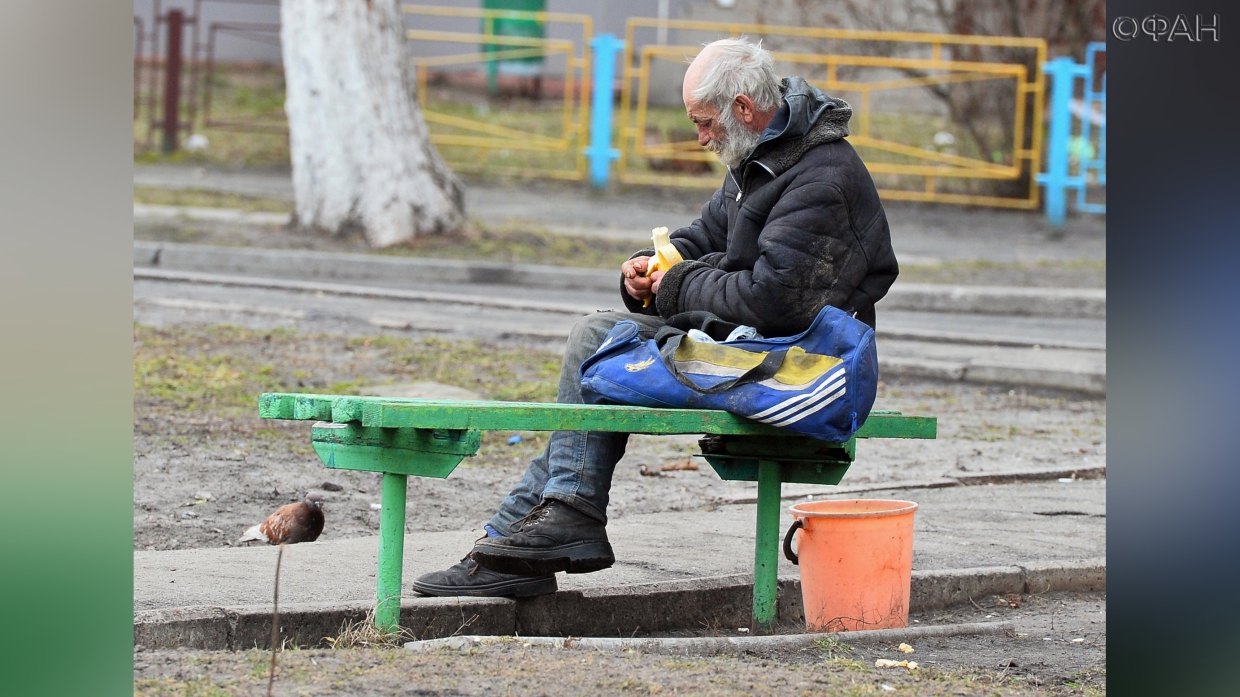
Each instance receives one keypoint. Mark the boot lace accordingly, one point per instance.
(536, 514)
(470, 557)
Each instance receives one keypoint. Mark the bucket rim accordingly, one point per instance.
(899, 508)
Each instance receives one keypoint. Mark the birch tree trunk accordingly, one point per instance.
(361, 152)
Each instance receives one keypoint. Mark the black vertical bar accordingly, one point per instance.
(172, 80)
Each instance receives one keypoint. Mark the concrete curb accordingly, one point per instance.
(998, 300)
(793, 492)
(217, 628)
(723, 601)
(708, 646)
(983, 371)
(357, 291)
(222, 215)
(939, 589)
(373, 268)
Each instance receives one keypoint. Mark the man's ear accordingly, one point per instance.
(743, 108)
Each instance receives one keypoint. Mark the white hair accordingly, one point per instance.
(739, 68)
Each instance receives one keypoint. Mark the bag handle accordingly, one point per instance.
(764, 370)
(788, 553)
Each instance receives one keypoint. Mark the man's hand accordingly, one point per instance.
(635, 282)
(657, 276)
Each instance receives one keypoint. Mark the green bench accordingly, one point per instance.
(428, 438)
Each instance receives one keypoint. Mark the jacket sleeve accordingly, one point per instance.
(705, 240)
(806, 260)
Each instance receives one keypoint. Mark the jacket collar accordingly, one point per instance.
(807, 118)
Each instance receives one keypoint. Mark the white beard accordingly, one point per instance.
(738, 144)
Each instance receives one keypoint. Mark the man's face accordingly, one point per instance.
(710, 132)
(723, 134)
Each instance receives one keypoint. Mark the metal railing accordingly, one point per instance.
(470, 144)
(556, 138)
(1071, 160)
(883, 155)
(184, 83)
(267, 33)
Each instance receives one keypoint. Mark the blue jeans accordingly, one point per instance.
(576, 467)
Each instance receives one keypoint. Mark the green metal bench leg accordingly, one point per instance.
(391, 552)
(766, 546)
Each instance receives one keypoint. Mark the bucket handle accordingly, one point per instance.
(788, 553)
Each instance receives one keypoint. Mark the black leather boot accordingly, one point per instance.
(467, 578)
(553, 537)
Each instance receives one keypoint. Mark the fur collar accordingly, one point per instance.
(832, 125)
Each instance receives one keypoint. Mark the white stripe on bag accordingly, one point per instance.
(802, 397)
(804, 414)
(787, 413)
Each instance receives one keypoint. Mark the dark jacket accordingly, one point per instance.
(796, 226)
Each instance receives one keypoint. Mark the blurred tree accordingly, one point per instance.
(361, 153)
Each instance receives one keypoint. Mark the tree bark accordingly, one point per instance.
(361, 153)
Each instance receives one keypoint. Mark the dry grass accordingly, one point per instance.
(364, 635)
(210, 199)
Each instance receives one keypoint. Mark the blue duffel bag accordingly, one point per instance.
(820, 383)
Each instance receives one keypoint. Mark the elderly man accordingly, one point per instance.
(796, 226)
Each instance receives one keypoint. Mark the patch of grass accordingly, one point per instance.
(504, 374)
(847, 665)
(221, 370)
(208, 382)
(201, 686)
(1088, 682)
(636, 685)
(988, 433)
(260, 664)
(210, 199)
(832, 645)
(520, 245)
(252, 95)
(169, 232)
(364, 635)
(684, 664)
(179, 367)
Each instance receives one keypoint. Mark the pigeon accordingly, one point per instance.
(296, 522)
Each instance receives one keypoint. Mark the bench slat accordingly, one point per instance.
(388, 412)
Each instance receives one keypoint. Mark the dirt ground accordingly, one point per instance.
(1042, 658)
(206, 468)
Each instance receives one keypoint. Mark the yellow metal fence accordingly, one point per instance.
(472, 143)
(854, 68)
(920, 63)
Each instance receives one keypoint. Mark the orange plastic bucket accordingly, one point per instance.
(856, 559)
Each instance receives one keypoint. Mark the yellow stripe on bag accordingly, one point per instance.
(799, 367)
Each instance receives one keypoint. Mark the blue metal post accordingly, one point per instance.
(1099, 161)
(1063, 72)
(1058, 177)
(600, 152)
